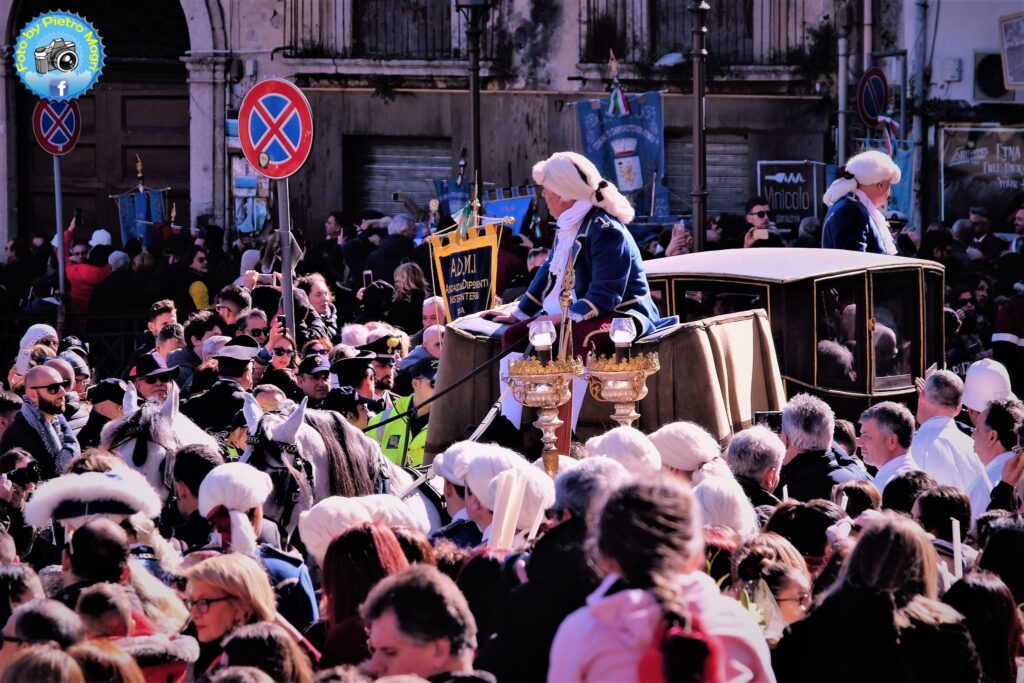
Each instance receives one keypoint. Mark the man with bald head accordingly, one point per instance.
(74, 413)
(40, 427)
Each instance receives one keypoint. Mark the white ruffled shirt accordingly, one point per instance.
(568, 225)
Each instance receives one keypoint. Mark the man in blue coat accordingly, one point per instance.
(856, 201)
(610, 280)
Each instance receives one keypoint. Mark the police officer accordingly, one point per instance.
(213, 409)
(314, 378)
(387, 350)
(403, 440)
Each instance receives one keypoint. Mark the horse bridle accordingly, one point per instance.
(140, 452)
(286, 491)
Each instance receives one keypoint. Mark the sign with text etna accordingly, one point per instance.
(793, 190)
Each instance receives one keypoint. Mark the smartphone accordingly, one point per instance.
(394, 196)
(772, 419)
(283, 321)
(78, 216)
(265, 279)
(678, 230)
(761, 234)
(367, 277)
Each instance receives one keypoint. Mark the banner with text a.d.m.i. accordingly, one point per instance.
(628, 149)
(466, 264)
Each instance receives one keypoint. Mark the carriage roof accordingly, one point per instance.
(776, 265)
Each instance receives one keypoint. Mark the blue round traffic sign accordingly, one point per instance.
(58, 56)
(275, 128)
(57, 126)
(872, 96)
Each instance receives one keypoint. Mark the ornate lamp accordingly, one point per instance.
(621, 380)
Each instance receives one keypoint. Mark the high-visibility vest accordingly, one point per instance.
(391, 436)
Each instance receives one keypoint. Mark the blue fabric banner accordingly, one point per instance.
(903, 155)
(157, 206)
(450, 194)
(629, 150)
(517, 207)
(126, 214)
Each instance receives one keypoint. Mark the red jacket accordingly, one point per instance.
(82, 277)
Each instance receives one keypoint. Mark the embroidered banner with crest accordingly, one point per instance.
(628, 147)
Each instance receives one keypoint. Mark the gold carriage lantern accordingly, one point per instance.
(544, 383)
(622, 379)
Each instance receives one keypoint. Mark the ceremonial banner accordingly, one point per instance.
(138, 212)
(451, 194)
(903, 156)
(628, 148)
(466, 264)
(516, 207)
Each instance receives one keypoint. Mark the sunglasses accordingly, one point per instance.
(162, 378)
(761, 214)
(53, 389)
(258, 332)
(203, 606)
(280, 351)
(200, 259)
(13, 639)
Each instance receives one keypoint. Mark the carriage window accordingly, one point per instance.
(841, 325)
(696, 300)
(895, 333)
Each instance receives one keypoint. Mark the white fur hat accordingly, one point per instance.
(238, 488)
(389, 510)
(987, 381)
(866, 168)
(444, 464)
(327, 520)
(75, 498)
(565, 463)
(475, 468)
(685, 446)
(538, 496)
(629, 446)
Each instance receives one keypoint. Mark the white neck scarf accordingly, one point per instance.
(879, 220)
(568, 224)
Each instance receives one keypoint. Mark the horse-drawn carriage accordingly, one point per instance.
(755, 326)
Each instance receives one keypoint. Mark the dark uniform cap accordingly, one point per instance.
(313, 364)
(385, 347)
(240, 348)
(362, 358)
(426, 368)
(111, 389)
(148, 365)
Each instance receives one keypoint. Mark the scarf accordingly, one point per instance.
(63, 452)
(568, 225)
(879, 220)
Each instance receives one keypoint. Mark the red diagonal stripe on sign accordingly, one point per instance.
(58, 122)
(274, 127)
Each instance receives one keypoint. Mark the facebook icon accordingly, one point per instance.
(58, 88)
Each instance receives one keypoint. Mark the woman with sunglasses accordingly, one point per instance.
(196, 268)
(278, 362)
(221, 594)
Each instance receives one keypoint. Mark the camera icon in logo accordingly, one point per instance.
(59, 55)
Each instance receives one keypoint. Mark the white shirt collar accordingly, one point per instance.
(994, 469)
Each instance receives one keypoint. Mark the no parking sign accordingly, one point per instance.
(57, 126)
(275, 128)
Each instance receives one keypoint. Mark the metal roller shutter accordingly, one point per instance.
(377, 167)
(728, 172)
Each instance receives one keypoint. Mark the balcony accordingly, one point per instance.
(740, 32)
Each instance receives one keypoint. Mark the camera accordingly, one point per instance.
(266, 279)
(23, 476)
(59, 55)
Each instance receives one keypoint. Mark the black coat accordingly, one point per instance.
(853, 636)
(560, 579)
(213, 409)
(20, 434)
(89, 436)
(390, 254)
(812, 474)
(756, 494)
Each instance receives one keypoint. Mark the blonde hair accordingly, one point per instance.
(160, 604)
(104, 660)
(241, 577)
(413, 279)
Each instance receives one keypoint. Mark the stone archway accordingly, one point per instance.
(205, 64)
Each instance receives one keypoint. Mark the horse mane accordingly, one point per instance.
(263, 447)
(352, 468)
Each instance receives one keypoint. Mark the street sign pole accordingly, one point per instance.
(58, 200)
(285, 219)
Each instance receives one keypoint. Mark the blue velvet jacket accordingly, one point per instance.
(610, 276)
(848, 226)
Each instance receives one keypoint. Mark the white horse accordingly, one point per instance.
(314, 454)
(147, 437)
